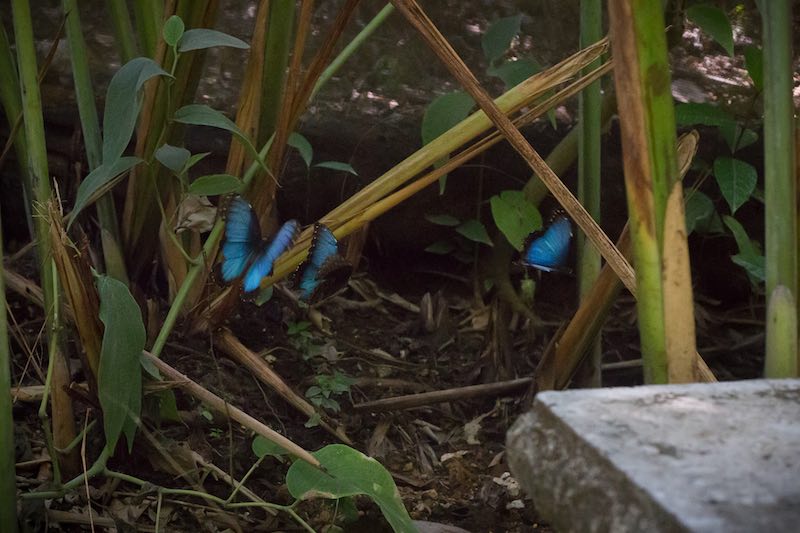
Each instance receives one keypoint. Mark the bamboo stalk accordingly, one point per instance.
(589, 183)
(780, 186)
(63, 419)
(123, 29)
(8, 490)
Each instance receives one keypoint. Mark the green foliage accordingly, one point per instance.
(498, 36)
(706, 114)
(514, 72)
(173, 30)
(699, 211)
(337, 165)
(215, 184)
(327, 388)
(201, 38)
(749, 257)
(119, 378)
(443, 220)
(99, 181)
(302, 145)
(348, 472)
(440, 247)
(714, 22)
(172, 157)
(754, 61)
(262, 447)
(475, 231)
(736, 179)
(443, 113)
(515, 216)
(302, 340)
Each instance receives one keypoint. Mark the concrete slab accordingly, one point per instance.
(721, 457)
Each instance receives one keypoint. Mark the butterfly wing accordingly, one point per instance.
(333, 274)
(242, 239)
(323, 247)
(263, 264)
(549, 251)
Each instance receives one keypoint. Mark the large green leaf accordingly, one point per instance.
(119, 378)
(754, 61)
(349, 472)
(202, 115)
(475, 231)
(302, 145)
(515, 216)
(98, 182)
(705, 114)
(200, 38)
(443, 113)
(714, 22)
(736, 179)
(123, 101)
(172, 157)
(515, 72)
(498, 36)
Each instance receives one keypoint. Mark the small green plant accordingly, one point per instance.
(302, 339)
(328, 387)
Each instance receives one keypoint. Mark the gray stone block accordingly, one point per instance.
(719, 457)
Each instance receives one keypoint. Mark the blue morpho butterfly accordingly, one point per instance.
(245, 251)
(548, 251)
(324, 270)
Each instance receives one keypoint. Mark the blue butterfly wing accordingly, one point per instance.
(323, 247)
(242, 239)
(549, 251)
(263, 264)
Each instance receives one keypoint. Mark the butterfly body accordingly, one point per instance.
(324, 270)
(548, 251)
(244, 251)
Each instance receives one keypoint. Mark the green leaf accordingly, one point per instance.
(754, 61)
(475, 231)
(173, 30)
(200, 38)
(119, 380)
(736, 137)
(754, 265)
(714, 22)
(440, 247)
(123, 101)
(444, 112)
(215, 184)
(262, 447)
(349, 472)
(515, 216)
(263, 296)
(736, 180)
(172, 157)
(98, 182)
(196, 158)
(699, 209)
(498, 37)
(202, 115)
(302, 145)
(443, 220)
(706, 114)
(337, 165)
(746, 246)
(514, 72)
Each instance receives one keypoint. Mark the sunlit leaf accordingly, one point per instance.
(714, 22)
(337, 165)
(349, 472)
(736, 179)
(498, 37)
(200, 38)
(475, 231)
(123, 101)
(172, 157)
(119, 378)
(302, 145)
(515, 216)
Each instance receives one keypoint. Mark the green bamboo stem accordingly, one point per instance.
(781, 359)
(148, 15)
(780, 188)
(12, 104)
(648, 130)
(8, 491)
(353, 45)
(276, 58)
(90, 125)
(123, 29)
(589, 145)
